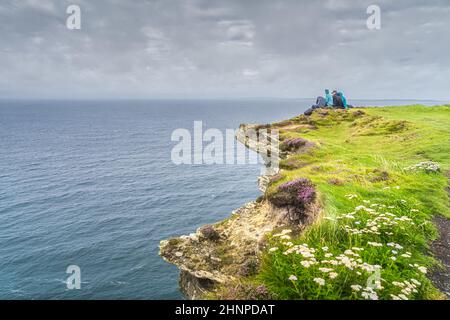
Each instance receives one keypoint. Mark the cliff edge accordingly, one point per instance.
(349, 212)
(220, 254)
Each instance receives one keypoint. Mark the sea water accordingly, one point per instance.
(92, 184)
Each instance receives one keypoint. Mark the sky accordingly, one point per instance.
(224, 49)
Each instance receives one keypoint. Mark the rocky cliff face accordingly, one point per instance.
(218, 254)
(266, 145)
(221, 253)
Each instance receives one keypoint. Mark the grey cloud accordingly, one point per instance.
(228, 48)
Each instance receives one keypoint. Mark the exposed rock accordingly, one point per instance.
(221, 253)
(199, 263)
(204, 263)
(194, 287)
(260, 140)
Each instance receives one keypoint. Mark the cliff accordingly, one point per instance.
(371, 179)
(222, 253)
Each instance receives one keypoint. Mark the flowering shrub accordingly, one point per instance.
(293, 144)
(296, 196)
(427, 166)
(298, 193)
(306, 194)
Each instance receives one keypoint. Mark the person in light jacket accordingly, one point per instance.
(328, 98)
(344, 100)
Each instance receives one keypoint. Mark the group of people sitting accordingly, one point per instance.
(334, 100)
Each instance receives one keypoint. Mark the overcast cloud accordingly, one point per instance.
(224, 48)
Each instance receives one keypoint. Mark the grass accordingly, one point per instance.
(372, 240)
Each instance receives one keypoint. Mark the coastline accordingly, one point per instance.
(231, 250)
(244, 232)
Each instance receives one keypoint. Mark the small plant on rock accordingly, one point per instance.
(210, 233)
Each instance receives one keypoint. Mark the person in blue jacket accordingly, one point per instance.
(344, 100)
(328, 98)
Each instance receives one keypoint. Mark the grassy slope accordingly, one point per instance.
(365, 156)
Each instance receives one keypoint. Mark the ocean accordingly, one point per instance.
(92, 184)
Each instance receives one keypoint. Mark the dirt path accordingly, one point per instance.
(441, 250)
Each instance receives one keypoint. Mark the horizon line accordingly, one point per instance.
(204, 99)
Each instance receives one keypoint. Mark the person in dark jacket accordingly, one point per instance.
(337, 100)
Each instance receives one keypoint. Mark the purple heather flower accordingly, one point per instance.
(306, 194)
(301, 189)
(294, 143)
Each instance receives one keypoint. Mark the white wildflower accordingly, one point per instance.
(423, 270)
(333, 275)
(427, 166)
(356, 287)
(369, 295)
(319, 281)
(374, 244)
(416, 282)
